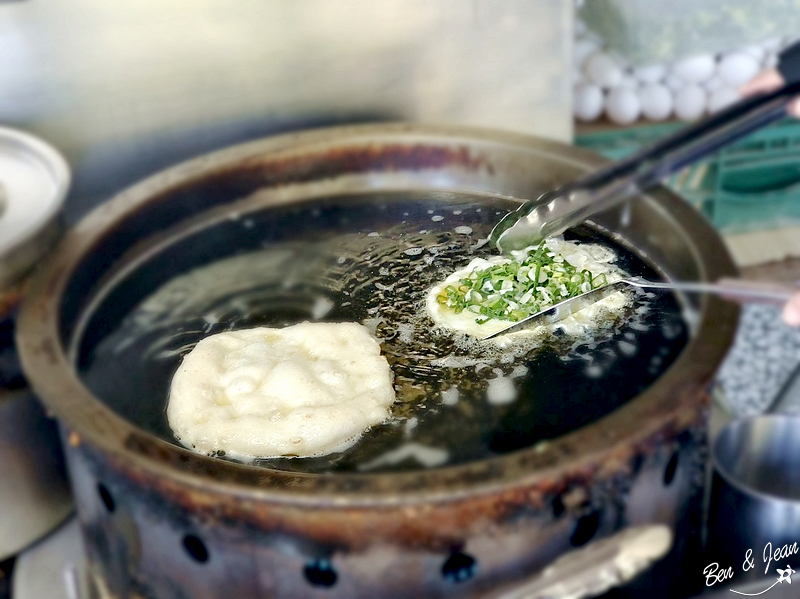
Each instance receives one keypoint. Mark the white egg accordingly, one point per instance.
(713, 83)
(656, 100)
(690, 102)
(756, 51)
(627, 67)
(721, 98)
(583, 49)
(695, 69)
(653, 73)
(674, 83)
(629, 81)
(603, 70)
(580, 27)
(623, 106)
(737, 68)
(587, 102)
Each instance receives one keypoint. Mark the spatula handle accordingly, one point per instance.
(738, 290)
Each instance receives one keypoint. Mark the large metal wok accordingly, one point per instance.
(344, 218)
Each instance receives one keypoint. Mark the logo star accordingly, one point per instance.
(786, 575)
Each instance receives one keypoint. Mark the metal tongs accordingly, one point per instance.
(739, 290)
(556, 211)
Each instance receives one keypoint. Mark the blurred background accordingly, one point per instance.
(127, 88)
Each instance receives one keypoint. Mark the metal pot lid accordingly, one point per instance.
(34, 180)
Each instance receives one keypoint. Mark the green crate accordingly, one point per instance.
(752, 184)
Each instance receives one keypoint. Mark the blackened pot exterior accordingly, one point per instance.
(163, 522)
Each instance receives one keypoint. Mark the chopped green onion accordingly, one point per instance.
(514, 290)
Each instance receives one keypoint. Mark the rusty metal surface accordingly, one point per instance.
(10, 298)
(420, 519)
(392, 532)
(34, 491)
(254, 549)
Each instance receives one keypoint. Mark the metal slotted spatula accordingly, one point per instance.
(556, 211)
(738, 290)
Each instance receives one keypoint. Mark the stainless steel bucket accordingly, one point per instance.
(754, 511)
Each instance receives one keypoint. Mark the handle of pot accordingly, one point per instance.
(592, 570)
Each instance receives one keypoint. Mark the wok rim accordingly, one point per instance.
(667, 405)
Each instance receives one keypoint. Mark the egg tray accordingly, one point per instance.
(753, 184)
